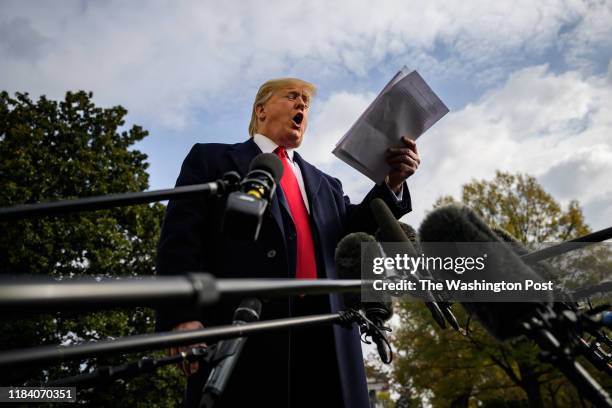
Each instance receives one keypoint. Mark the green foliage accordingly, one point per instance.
(58, 150)
(453, 369)
(518, 204)
(468, 369)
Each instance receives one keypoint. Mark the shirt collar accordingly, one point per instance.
(266, 145)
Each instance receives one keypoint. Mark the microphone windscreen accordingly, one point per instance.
(455, 223)
(395, 239)
(410, 233)
(543, 269)
(348, 262)
(248, 311)
(349, 259)
(268, 162)
(348, 254)
(505, 236)
(389, 229)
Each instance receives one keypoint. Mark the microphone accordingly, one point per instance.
(541, 268)
(227, 353)
(348, 261)
(348, 266)
(444, 307)
(555, 331)
(461, 224)
(244, 208)
(390, 230)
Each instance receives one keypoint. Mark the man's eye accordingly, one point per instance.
(293, 97)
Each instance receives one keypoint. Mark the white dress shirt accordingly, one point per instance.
(268, 146)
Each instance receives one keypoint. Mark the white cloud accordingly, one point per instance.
(591, 39)
(168, 62)
(600, 210)
(162, 60)
(582, 174)
(554, 126)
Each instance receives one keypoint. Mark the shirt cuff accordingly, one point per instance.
(398, 196)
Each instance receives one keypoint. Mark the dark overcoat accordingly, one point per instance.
(292, 367)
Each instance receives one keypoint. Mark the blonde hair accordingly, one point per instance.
(267, 90)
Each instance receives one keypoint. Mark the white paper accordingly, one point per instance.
(405, 107)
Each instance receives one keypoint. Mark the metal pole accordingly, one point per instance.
(555, 250)
(51, 354)
(18, 295)
(108, 201)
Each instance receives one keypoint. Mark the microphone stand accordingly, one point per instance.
(596, 355)
(588, 291)
(108, 374)
(228, 183)
(593, 351)
(207, 356)
(567, 246)
(374, 328)
(556, 334)
(21, 296)
(36, 356)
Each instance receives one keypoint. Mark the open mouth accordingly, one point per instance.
(298, 118)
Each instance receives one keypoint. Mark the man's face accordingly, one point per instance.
(284, 117)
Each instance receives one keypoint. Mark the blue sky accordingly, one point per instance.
(529, 84)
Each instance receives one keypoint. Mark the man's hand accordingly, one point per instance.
(404, 161)
(188, 369)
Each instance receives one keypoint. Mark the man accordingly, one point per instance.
(299, 233)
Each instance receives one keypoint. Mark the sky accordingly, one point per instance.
(528, 84)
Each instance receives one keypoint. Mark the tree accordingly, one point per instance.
(458, 369)
(376, 375)
(57, 150)
(518, 204)
(443, 366)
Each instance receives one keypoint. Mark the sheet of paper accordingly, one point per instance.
(396, 78)
(405, 107)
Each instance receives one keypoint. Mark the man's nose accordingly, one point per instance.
(300, 104)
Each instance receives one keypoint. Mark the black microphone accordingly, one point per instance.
(244, 209)
(348, 261)
(391, 231)
(541, 268)
(227, 353)
(553, 330)
(443, 306)
(461, 224)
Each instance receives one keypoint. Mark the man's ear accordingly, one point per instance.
(260, 112)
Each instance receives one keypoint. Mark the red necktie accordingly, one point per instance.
(306, 267)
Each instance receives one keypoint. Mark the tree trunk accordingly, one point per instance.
(531, 385)
(463, 401)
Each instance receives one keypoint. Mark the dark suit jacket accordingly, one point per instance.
(191, 241)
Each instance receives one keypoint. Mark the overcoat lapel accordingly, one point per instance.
(242, 154)
(312, 181)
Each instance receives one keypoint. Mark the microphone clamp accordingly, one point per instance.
(370, 331)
